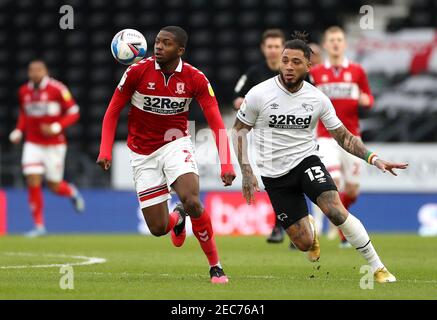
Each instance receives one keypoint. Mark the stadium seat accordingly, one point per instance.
(224, 37)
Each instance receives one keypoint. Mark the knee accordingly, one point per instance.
(157, 229)
(33, 181)
(336, 214)
(53, 186)
(303, 244)
(192, 205)
(330, 203)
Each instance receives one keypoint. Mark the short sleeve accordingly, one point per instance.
(328, 115)
(129, 80)
(249, 109)
(204, 93)
(65, 98)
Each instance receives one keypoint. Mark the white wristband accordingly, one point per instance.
(16, 134)
(56, 127)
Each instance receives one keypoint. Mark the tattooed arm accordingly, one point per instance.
(355, 146)
(349, 142)
(239, 139)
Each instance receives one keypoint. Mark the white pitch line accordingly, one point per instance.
(88, 260)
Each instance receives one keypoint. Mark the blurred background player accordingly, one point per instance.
(160, 90)
(346, 84)
(46, 109)
(272, 45)
(316, 54)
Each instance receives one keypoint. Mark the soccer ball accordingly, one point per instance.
(129, 46)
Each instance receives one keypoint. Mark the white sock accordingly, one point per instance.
(357, 236)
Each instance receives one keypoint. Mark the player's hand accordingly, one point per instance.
(15, 136)
(50, 129)
(389, 166)
(105, 164)
(250, 185)
(227, 178)
(237, 103)
(364, 100)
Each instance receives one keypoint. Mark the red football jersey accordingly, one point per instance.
(343, 85)
(49, 103)
(159, 103)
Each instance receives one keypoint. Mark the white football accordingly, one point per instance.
(129, 46)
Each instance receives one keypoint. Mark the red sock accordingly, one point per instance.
(202, 229)
(347, 202)
(173, 219)
(36, 205)
(64, 189)
(342, 237)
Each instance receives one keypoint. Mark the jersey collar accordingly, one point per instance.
(344, 64)
(42, 85)
(178, 68)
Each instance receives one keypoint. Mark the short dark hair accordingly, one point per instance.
(299, 42)
(333, 29)
(273, 33)
(39, 60)
(180, 34)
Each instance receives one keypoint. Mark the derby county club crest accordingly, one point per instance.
(180, 88)
(307, 107)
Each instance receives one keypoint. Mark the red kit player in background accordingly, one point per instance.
(46, 109)
(346, 84)
(160, 90)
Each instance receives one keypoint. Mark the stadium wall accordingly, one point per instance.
(421, 176)
(110, 211)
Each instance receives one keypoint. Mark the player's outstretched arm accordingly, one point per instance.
(239, 140)
(215, 122)
(109, 126)
(355, 146)
(206, 98)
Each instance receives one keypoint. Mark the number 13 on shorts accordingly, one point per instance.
(314, 173)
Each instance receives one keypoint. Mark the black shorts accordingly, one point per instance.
(286, 192)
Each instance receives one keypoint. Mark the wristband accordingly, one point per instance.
(371, 157)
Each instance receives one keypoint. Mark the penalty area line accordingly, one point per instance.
(86, 260)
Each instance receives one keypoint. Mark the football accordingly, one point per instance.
(129, 46)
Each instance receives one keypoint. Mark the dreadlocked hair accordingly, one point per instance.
(299, 41)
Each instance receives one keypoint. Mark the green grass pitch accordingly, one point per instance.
(140, 267)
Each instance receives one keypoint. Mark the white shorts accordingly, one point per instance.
(48, 160)
(340, 164)
(155, 173)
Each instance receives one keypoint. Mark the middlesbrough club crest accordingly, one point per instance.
(180, 88)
